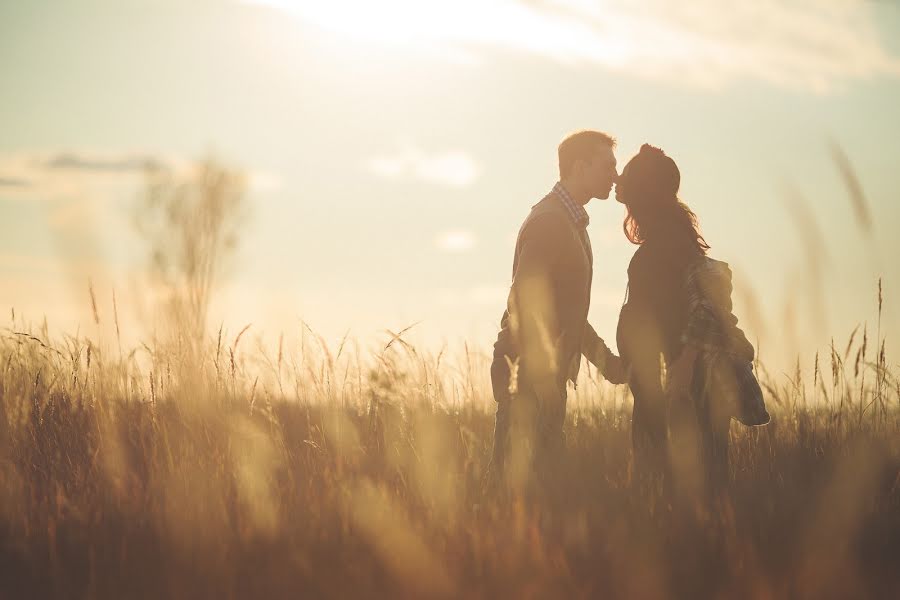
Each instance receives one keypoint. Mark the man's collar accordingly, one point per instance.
(575, 211)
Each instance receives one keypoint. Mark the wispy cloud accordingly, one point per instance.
(102, 164)
(60, 175)
(453, 168)
(455, 241)
(801, 44)
(14, 182)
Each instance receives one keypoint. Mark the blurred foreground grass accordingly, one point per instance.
(307, 473)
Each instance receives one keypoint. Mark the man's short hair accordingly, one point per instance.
(581, 145)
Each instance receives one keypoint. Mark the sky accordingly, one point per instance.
(392, 150)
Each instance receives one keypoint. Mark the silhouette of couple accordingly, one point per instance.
(687, 363)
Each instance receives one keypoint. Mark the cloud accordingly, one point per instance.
(101, 164)
(452, 168)
(455, 241)
(800, 44)
(14, 182)
(66, 175)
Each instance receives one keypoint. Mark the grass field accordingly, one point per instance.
(314, 472)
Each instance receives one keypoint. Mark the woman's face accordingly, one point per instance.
(642, 182)
(622, 185)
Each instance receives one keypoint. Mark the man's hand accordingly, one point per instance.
(615, 370)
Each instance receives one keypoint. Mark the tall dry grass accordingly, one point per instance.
(312, 471)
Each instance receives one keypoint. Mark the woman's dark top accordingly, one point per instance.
(655, 313)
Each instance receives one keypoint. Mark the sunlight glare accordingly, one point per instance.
(425, 23)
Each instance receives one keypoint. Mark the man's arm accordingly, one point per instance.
(598, 353)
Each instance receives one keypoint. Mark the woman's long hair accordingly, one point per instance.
(650, 183)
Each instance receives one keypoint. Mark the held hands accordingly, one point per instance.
(612, 367)
(615, 370)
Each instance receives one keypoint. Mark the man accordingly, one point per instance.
(544, 330)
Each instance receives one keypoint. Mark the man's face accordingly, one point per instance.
(600, 173)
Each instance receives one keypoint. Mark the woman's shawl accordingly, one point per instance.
(711, 324)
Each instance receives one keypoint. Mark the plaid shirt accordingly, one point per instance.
(575, 211)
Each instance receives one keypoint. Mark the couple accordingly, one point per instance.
(670, 330)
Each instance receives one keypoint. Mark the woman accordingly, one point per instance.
(676, 432)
